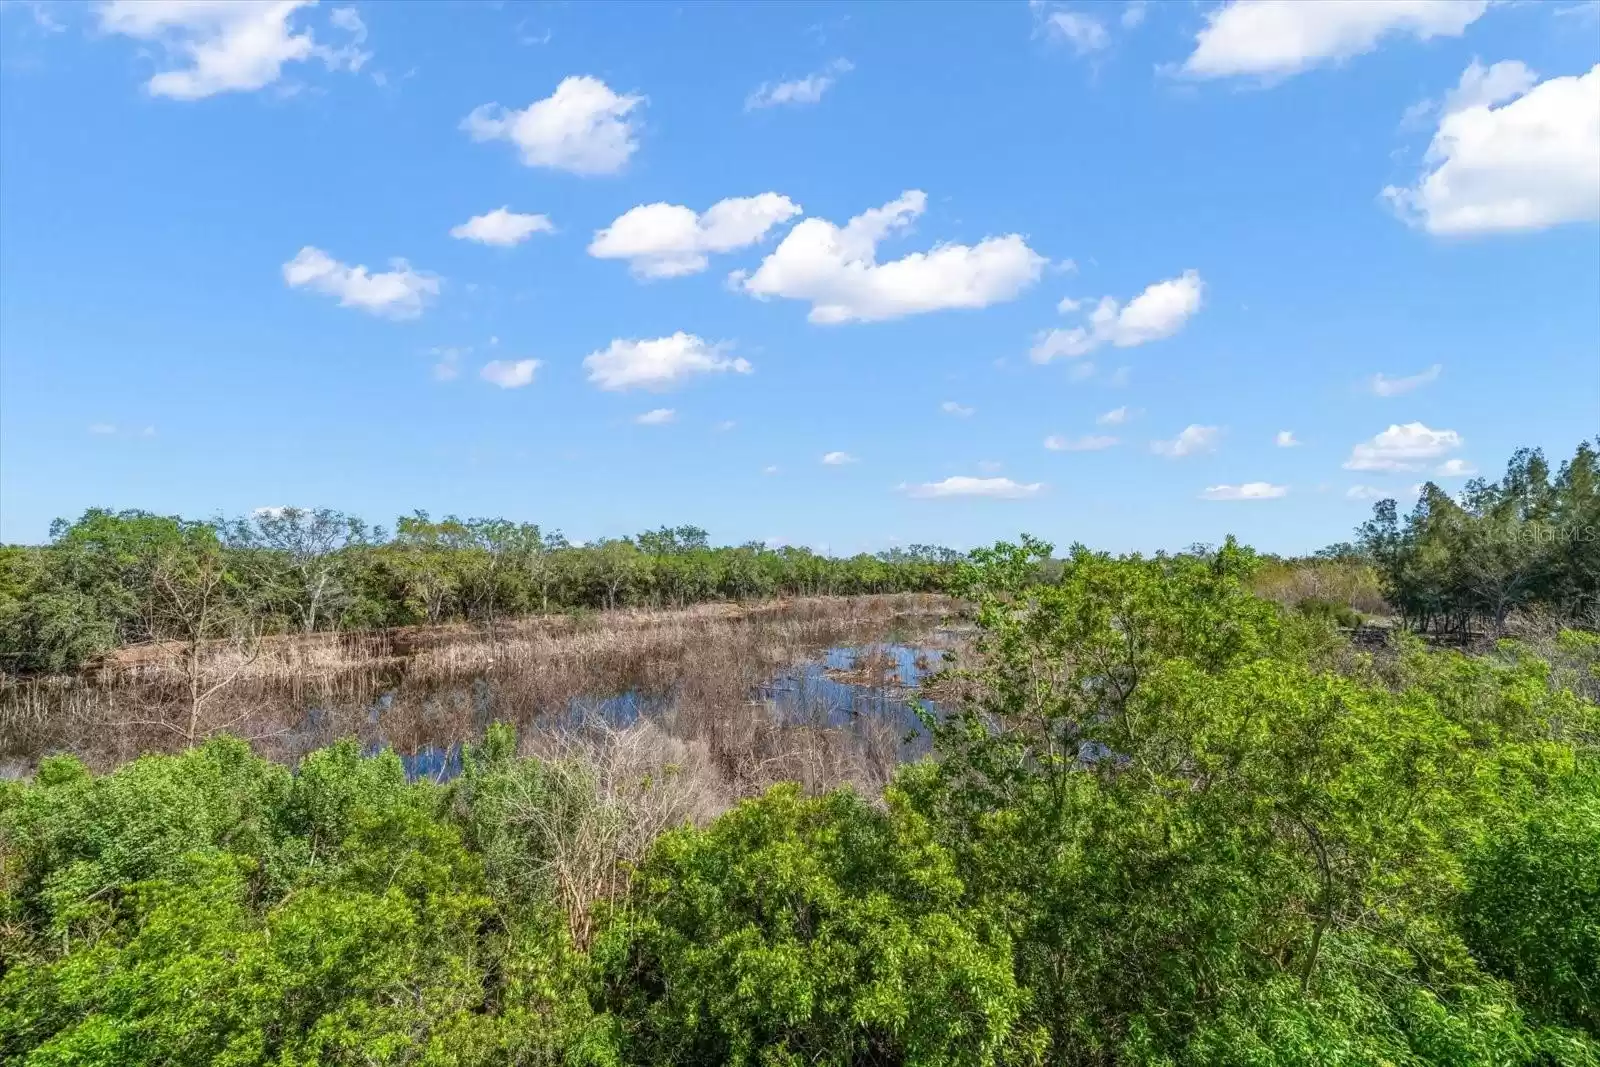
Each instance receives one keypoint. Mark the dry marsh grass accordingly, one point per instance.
(699, 672)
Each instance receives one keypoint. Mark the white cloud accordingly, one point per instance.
(348, 18)
(43, 19)
(807, 90)
(227, 45)
(656, 417)
(583, 127)
(398, 293)
(771, 468)
(964, 485)
(509, 374)
(102, 429)
(1247, 491)
(1090, 443)
(1158, 312)
(1084, 32)
(836, 268)
(1066, 305)
(1482, 86)
(960, 411)
(1530, 163)
(838, 459)
(1455, 468)
(668, 240)
(1115, 417)
(1365, 492)
(448, 365)
(1286, 439)
(1383, 385)
(1133, 14)
(1402, 448)
(271, 511)
(1193, 440)
(1277, 38)
(503, 227)
(659, 363)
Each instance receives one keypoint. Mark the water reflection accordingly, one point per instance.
(846, 688)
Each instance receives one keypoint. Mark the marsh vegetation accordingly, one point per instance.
(1169, 811)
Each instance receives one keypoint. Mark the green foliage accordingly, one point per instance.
(798, 931)
(213, 909)
(1533, 912)
(1526, 541)
(113, 578)
(1208, 850)
(1168, 823)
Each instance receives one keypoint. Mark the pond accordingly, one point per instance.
(838, 690)
(817, 690)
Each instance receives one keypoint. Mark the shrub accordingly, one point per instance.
(807, 931)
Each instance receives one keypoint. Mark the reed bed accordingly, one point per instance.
(696, 674)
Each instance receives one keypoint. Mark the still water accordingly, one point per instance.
(845, 686)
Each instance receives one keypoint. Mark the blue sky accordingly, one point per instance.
(229, 277)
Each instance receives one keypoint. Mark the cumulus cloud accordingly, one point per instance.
(503, 227)
(1482, 86)
(1158, 312)
(1247, 491)
(668, 240)
(657, 364)
(965, 485)
(1402, 448)
(1277, 38)
(1509, 155)
(509, 374)
(1114, 417)
(228, 45)
(960, 411)
(656, 417)
(1383, 385)
(1286, 439)
(837, 459)
(1089, 443)
(398, 293)
(807, 90)
(583, 127)
(1191, 441)
(836, 268)
(1455, 468)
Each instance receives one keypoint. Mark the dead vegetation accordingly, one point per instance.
(696, 675)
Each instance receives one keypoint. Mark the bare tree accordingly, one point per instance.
(193, 603)
(300, 554)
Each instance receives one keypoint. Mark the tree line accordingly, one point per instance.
(115, 578)
(1466, 563)
(1167, 824)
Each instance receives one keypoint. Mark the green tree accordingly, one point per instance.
(798, 931)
